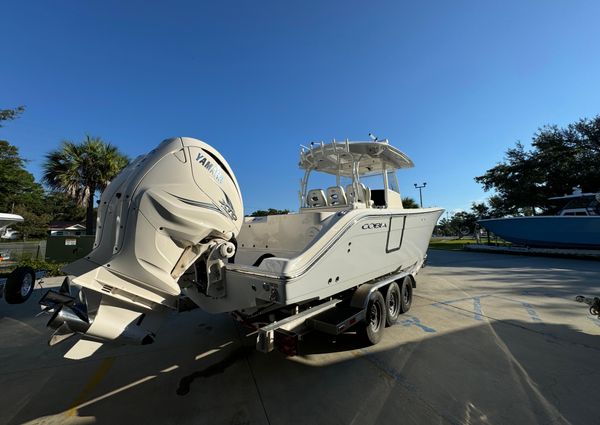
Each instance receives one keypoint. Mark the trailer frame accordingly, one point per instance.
(333, 316)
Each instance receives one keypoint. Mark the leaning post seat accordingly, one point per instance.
(358, 197)
(336, 196)
(368, 199)
(316, 198)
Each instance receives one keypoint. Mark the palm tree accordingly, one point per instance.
(408, 202)
(82, 169)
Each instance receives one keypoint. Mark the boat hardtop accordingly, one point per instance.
(352, 163)
(579, 203)
(341, 158)
(577, 193)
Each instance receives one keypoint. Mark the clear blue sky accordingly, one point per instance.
(451, 83)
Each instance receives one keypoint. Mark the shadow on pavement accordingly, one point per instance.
(555, 280)
(202, 371)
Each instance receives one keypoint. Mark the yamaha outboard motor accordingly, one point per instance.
(177, 206)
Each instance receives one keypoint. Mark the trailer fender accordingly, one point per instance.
(360, 298)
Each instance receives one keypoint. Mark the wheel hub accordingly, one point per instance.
(375, 317)
(26, 285)
(393, 304)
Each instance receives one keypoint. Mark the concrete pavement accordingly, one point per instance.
(490, 339)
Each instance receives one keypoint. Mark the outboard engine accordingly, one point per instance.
(178, 205)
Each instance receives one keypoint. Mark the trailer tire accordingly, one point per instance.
(19, 285)
(392, 304)
(406, 291)
(371, 330)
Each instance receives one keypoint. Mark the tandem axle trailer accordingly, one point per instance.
(368, 308)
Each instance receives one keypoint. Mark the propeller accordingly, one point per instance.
(65, 287)
(69, 314)
(62, 333)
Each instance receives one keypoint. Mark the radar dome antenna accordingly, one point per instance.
(373, 137)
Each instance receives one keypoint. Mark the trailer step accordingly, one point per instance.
(337, 320)
(265, 339)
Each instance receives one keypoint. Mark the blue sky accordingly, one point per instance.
(451, 83)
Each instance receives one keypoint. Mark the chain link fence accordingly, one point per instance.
(15, 251)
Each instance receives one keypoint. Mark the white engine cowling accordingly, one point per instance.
(177, 206)
(156, 218)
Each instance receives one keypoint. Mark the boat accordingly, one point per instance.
(576, 225)
(7, 220)
(6, 233)
(171, 225)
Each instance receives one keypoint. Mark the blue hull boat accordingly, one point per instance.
(581, 232)
(576, 225)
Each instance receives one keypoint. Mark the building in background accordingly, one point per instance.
(66, 228)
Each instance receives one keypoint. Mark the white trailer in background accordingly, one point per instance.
(16, 286)
(171, 227)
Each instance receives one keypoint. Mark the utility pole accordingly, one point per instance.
(420, 192)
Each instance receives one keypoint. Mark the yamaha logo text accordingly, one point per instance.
(213, 169)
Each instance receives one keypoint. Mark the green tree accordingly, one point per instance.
(443, 227)
(270, 211)
(34, 224)
(408, 202)
(499, 208)
(19, 192)
(80, 170)
(480, 209)
(61, 207)
(463, 223)
(560, 159)
(17, 185)
(10, 114)
(516, 180)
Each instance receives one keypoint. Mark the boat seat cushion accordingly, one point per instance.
(316, 198)
(361, 196)
(336, 196)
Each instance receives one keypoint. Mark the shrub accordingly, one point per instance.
(53, 269)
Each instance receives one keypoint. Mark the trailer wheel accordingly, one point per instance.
(406, 291)
(19, 285)
(371, 330)
(392, 303)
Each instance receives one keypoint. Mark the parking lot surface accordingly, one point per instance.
(490, 339)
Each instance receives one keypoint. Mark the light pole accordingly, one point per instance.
(420, 192)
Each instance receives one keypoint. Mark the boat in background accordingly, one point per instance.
(5, 221)
(576, 224)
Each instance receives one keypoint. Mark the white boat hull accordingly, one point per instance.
(351, 249)
(172, 223)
